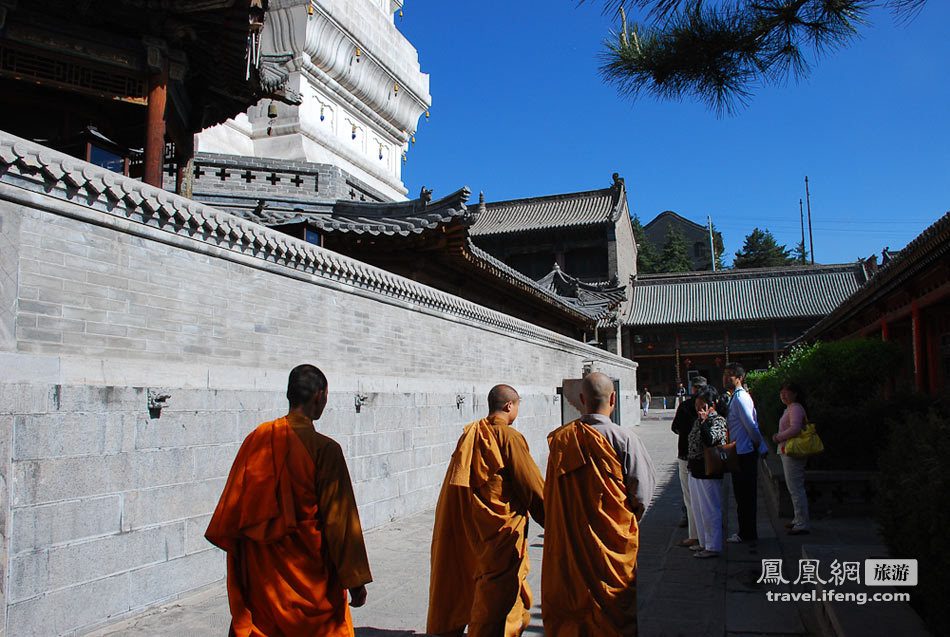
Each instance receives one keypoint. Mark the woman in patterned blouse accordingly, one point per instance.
(709, 430)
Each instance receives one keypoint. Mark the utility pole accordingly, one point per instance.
(811, 239)
(804, 248)
(712, 246)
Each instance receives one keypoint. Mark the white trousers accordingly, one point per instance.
(684, 487)
(706, 497)
(794, 469)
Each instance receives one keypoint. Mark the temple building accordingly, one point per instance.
(907, 300)
(124, 83)
(356, 91)
(694, 323)
(587, 234)
(431, 241)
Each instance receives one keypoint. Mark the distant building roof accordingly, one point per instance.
(592, 207)
(742, 295)
(670, 216)
(596, 299)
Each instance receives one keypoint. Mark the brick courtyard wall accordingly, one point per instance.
(112, 291)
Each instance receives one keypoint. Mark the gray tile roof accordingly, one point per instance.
(596, 299)
(742, 295)
(593, 207)
(393, 218)
(402, 217)
(503, 271)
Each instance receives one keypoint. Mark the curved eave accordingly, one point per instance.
(921, 253)
(482, 260)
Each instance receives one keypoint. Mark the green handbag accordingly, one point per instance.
(807, 443)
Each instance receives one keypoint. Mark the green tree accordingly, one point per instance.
(675, 255)
(718, 50)
(760, 250)
(648, 261)
(800, 253)
(720, 248)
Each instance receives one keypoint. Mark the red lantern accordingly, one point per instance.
(687, 362)
(718, 362)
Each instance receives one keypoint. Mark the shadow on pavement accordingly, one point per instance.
(366, 631)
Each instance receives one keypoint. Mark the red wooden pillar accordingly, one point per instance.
(918, 336)
(885, 334)
(155, 127)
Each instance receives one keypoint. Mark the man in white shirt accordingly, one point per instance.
(744, 431)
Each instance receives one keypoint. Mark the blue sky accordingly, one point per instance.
(518, 110)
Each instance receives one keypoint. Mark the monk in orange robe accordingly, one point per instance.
(479, 543)
(289, 523)
(599, 482)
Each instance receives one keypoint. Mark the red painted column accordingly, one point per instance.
(155, 127)
(885, 334)
(918, 347)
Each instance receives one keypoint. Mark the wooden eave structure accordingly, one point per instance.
(918, 277)
(428, 241)
(442, 254)
(138, 70)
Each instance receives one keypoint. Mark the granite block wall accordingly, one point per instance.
(103, 502)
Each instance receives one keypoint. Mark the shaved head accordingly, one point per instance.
(501, 395)
(596, 389)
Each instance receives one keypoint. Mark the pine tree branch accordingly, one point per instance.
(718, 52)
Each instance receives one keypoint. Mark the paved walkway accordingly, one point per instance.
(678, 595)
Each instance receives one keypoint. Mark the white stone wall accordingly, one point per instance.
(109, 503)
(361, 88)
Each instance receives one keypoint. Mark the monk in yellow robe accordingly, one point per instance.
(479, 543)
(599, 481)
(289, 523)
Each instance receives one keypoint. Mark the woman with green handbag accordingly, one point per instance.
(791, 425)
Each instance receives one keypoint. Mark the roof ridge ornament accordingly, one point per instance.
(425, 196)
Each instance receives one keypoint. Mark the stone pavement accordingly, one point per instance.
(678, 595)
